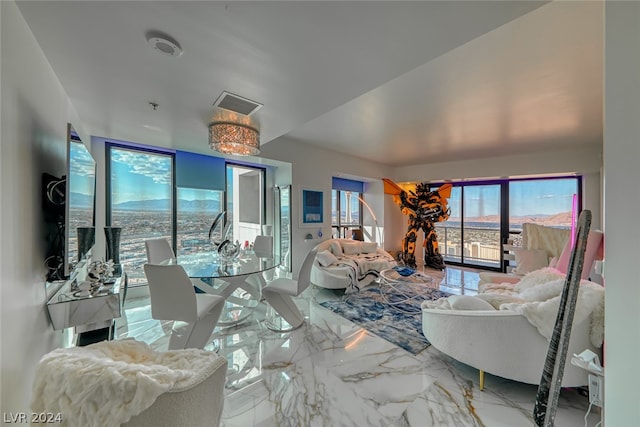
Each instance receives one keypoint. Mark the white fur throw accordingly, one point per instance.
(537, 297)
(537, 277)
(107, 383)
(544, 300)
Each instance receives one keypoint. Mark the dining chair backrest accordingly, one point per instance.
(171, 291)
(158, 250)
(304, 276)
(263, 246)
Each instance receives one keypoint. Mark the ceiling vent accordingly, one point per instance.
(237, 104)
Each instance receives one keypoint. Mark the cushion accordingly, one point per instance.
(335, 248)
(468, 302)
(369, 247)
(497, 299)
(351, 248)
(326, 258)
(528, 260)
(551, 239)
(593, 251)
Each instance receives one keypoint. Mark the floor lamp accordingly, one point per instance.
(375, 220)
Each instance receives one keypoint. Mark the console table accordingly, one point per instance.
(74, 306)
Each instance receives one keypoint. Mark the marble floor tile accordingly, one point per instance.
(332, 372)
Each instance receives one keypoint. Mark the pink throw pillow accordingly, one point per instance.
(593, 251)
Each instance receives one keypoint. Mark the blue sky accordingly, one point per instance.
(526, 198)
(139, 176)
(82, 172)
(143, 176)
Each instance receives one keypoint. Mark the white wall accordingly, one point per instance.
(622, 204)
(35, 112)
(313, 168)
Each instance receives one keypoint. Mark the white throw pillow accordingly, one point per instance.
(528, 260)
(326, 258)
(468, 302)
(336, 249)
(369, 247)
(351, 248)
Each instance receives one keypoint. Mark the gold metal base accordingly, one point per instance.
(481, 380)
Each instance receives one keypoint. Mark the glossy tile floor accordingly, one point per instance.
(331, 372)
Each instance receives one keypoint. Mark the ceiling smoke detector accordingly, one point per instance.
(164, 43)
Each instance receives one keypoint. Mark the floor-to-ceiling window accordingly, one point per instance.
(471, 235)
(346, 206)
(544, 202)
(245, 202)
(450, 232)
(481, 225)
(195, 211)
(486, 214)
(140, 201)
(152, 193)
(346, 213)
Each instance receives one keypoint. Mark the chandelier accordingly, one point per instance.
(234, 138)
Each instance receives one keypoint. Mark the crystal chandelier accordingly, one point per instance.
(234, 138)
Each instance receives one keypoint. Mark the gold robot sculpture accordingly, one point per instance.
(424, 208)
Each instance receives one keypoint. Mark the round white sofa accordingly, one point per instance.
(502, 343)
(338, 275)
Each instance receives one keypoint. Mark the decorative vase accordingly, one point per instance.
(113, 247)
(86, 238)
(97, 272)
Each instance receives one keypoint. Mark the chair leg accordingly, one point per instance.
(481, 380)
(285, 307)
(180, 333)
(204, 327)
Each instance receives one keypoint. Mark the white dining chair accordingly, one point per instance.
(280, 291)
(158, 250)
(173, 298)
(263, 246)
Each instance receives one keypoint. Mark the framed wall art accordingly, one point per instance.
(311, 207)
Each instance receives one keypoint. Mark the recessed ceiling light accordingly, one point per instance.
(164, 43)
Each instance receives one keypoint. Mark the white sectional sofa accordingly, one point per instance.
(348, 264)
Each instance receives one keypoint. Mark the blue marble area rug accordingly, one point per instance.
(391, 311)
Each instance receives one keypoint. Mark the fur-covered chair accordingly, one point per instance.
(113, 383)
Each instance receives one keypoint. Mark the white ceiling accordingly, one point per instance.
(398, 83)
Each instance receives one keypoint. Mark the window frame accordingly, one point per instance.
(109, 146)
(504, 226)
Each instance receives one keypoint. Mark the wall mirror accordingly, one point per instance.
(80, 197)
(283, 221)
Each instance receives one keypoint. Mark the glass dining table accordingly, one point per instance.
(239, 281)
